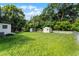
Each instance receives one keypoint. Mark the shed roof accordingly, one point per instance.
(47, 27)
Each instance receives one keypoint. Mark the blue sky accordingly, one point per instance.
(30, 9)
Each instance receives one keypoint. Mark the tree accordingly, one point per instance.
(36, 22)
(13, 15)
(59, 16)
(61, 11)
(49, 12)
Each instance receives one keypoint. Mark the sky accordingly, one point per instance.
(30, 9)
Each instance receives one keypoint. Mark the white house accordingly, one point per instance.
(5, 28)
(47, 30)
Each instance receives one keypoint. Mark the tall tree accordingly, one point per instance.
(13, 15)
(61, 11)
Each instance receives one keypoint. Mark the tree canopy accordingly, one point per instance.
(60, 11)
(12, 15)
(57, 15)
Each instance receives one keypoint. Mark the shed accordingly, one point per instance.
(5, 28)
(31, 29)
(47, 29)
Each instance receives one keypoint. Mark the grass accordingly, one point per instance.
(38, 44)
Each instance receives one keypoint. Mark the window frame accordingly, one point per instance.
(4, 26)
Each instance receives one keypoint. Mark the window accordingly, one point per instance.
(4, 26)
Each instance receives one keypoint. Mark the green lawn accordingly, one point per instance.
(39, 44)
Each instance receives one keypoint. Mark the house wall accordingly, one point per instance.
(6, 31)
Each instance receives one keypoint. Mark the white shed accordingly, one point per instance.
(47, 30)
(31, 29)
(5, 28)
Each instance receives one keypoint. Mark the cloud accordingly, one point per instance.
(29, 7)
(32, 11)
(23, 7)
(29, 15)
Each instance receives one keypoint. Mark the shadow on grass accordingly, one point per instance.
(7, 42)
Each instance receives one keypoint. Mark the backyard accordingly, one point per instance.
(39, 44)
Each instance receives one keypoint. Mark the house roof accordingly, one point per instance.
(47, 28)
(5, 24)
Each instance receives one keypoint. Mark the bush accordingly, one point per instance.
(76, 28)
(63, 25)
(76, 25)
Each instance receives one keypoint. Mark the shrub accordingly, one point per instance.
(63, 25)
(76, 25)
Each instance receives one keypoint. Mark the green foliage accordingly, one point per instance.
(63, 25)
(60, 11)
(47, 24)
(57, 16)
(13, 15)
(26, 27)
(76, 25)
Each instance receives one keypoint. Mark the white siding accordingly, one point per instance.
(47, 30)
(7, 30)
